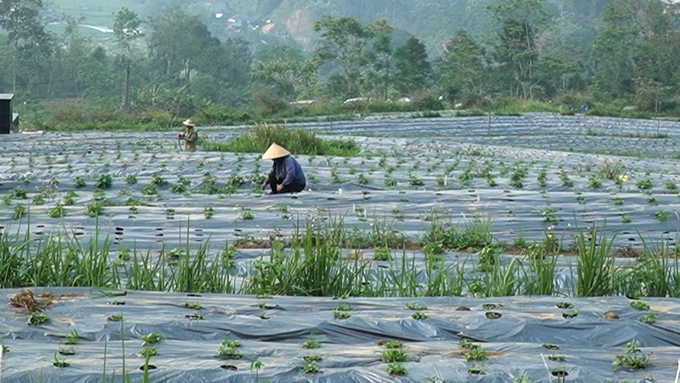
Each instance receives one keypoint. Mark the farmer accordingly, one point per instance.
(189, 136)
(286, 175)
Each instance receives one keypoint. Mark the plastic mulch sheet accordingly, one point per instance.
(273, 329)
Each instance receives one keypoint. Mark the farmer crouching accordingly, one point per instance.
(190, 136)
(286, 175)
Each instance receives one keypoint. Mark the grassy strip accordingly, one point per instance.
(299, 141)
(313, 264)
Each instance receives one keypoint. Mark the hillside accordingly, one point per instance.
(432, 21)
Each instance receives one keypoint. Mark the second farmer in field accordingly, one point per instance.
(190, 136)
(286, 175)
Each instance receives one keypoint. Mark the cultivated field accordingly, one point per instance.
(513, 218)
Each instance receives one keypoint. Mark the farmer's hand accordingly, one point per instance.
(264, 185)
(279, 187)
(180, 136)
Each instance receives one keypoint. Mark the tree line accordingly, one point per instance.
(173, 64)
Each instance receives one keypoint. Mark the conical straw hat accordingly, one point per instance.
(274, 152)
(189, 123)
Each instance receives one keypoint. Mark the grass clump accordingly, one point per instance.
(297, 141)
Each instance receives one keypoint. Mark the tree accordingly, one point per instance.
(287, 76)
(177, 40)
(413, 70)
(463, 72)
(521, 22)
(26, 32)
(126, 27)
(344, 41)
(380, 57)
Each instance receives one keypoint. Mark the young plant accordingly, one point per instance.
(475, 354)
(151, 338)
(72, 338)
(393, 355)
(419, 315)
(639, 305)
(396, 368)
(60, 363)
(37, 318)
(311, 342)
(226, 352)
(633, 358)
(648, 318)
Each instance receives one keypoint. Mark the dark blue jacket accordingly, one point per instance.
(288, 169)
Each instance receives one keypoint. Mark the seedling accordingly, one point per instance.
(632, 359)
(131, 179)
(617, 201)
(37, 318)
(419, 315)
(382, 254)
(564, 305)
(60, 363)
(394, 355)
(311, 342)
(625, 218)
(491, 306)
(263, 315)
(115, 318)
(396, 368)
(391, 344)
(228, 352)
(151, 338)
(246, 215)
(158, 180)
(570, 314)
(94, 209)
(476, 371)
(195, 316)
(468, 346)
(343, 307)
(645, 184)
(57, 211)
(362, 179)
(208, 212)
(310, 368)
(72, 338)
(550, 346)
(312, 358)
(492, 315)
(79, 182)
(193, 306)
(104, 181)
(19, 211)
(639, 305)
(661, 216)
(475, 354)
(231, 343)
(648, 318)
(415, 306)
(556, 358)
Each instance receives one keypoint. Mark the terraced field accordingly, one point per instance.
(434, 214)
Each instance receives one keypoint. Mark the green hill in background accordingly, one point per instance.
(431, 21)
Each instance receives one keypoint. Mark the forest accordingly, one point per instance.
(175, 62)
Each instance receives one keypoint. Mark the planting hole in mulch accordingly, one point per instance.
(493, 315)
(151, 367)
(559, 373)
(26, 301)
(462, 308)
(193, 295)
(229, 367)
